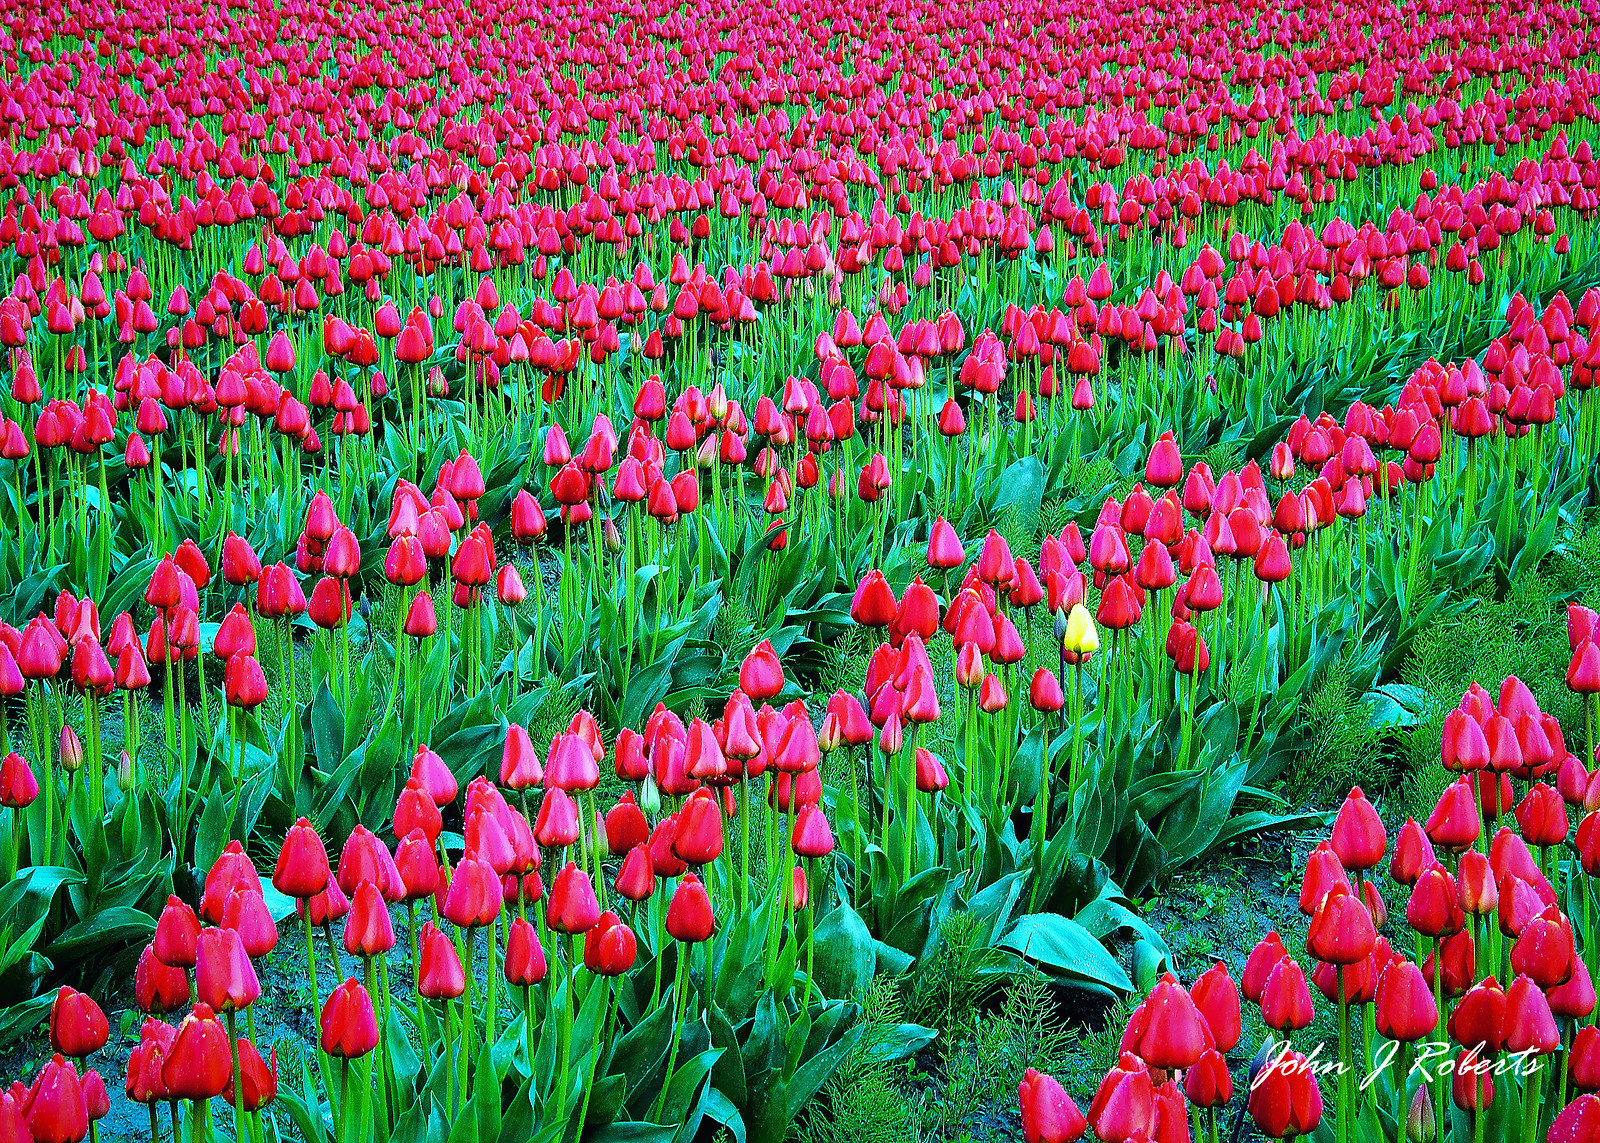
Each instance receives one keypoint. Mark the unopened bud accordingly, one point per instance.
(650, 795)
(1420, 1125)
(71, 749)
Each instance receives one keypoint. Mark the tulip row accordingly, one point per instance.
(672, 880)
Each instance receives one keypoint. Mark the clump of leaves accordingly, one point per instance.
(1054, 516)
(844, 662)
(1019, 524)
(1224, 456)
(554, 714)
(734, 627)
(1094, 479)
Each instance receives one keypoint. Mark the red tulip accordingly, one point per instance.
(56, 1109)
(225, 980)
(1124, 1104)
(260, 1079)
(689, 916)
(1284, 1098)
(1286, 999)
(349, 1028)
(609, 948)
(1048, 1113)
(525, 963)
(367, 930)
(199, 1062)
(77, 1026)
(1358, 837)
(1405, 1007)
(1578, 1122)
(177, 935)
(18, 786)
(573, 908)
(158, 988)
(474, 897)
(439, 972)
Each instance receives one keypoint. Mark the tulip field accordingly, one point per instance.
(639, 572)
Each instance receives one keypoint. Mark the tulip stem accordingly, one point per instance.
(491, 941)
(1343, 1126)
(1531, 1111)
(527, 1025)
(679, 985)
(599, 1049)
(311, 962)
(238, 1076)
(1400, 1076)
(910, 824)
(811, 931)
(566, 1025)
(449, 1060)
(744, 829)
(343, 1126)
(375, 1059)
(1438, 1005)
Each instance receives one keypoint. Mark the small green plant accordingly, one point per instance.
(982, 1069)
(954, 981)
(863, 1101)
(1342, 745)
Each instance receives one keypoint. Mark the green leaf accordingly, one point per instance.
(1021, 485)
(486, 1094)
(414, 1125)
(905, 1041)
(1395, 705)
(845, 953)
(1068, 950)
(644, 1044)
(636, 1133)
(120, 925)
(686, 1081)
(720, 1108)
(216, 826)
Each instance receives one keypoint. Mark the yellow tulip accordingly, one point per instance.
(1080, 637)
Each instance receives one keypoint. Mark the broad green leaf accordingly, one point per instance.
(1067, 950)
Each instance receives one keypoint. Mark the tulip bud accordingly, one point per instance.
(1420, 1124)
(349, 1028)
(71, 750)
(77, 1025)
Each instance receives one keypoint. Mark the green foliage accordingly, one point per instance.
(862, 1101)
(1341, 748)
(1092, 478)
(948, 986)
(969, 1089)
(1523, 634)
(1094, 1049)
